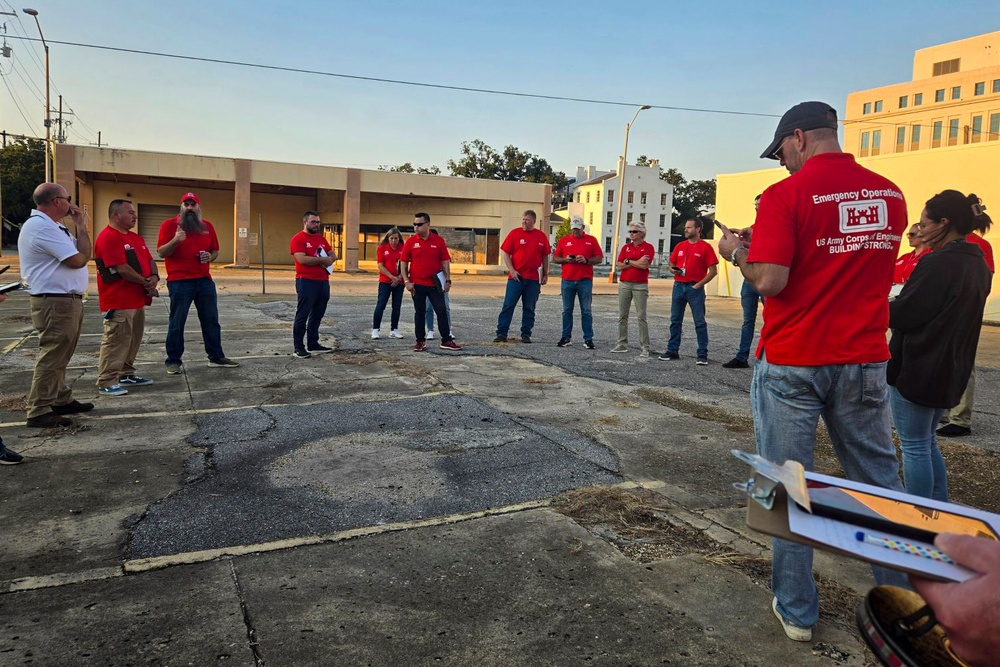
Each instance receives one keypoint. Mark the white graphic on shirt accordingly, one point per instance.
(863, 216)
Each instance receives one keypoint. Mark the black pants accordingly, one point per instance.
(313, 297)
(420, 295)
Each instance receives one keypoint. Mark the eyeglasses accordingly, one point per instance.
(69, 200)
(779, 153)
(635, 231)
(419, 224)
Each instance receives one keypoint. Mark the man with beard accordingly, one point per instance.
(126, 283)
(187, 244)
(313, 258)
(694, 265)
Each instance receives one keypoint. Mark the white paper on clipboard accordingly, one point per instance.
(322, 253)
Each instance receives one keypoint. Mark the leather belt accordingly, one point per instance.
(59, 296)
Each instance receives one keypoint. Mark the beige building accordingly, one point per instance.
(256, 206)
(970, 69)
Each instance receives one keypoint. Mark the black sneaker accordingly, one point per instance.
(736, 363)
(525, 339)
(72, 408)
(317, 348)
(564, 342)
(669, 356)
(134, 380)
(224, 362)
(589, 344)
(49, 420)
(701, 361)
(954, 431)
(500, 339)
(301, 354)
(9, 457)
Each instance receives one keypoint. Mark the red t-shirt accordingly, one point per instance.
(110, 247)
(183, 263)
(694, 258)
(389, 258)
(985, 246)
(632, 252)
(425, 258)
(586, 246)
(837, 226)
(527, 250)
(906, 264)
(310, 244)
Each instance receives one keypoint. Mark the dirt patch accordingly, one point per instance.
(14, 402)
(539, 380)
(16, 318)
(610, 420)
(733, 422)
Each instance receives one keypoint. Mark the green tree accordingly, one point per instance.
(22, 168)
(408, 168)
(564, 229)
(479, 160)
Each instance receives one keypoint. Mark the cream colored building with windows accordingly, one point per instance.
(256, 205)
(648, 199)
(949, 144)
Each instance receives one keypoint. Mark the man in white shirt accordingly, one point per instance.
(54, 264)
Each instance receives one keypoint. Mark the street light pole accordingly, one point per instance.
(48, 106)
(613, 276)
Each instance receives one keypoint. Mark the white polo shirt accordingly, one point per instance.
(42, 246)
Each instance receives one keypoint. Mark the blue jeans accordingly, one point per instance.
(683, 295)
(385, 290)
(311, 307)
(787, 402)
(584, 291)
(923, 465)
(421, 295)
(749, 298)
(429, 318)
(200, 291)
(527, 291)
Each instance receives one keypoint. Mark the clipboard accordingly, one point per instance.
(770, 512)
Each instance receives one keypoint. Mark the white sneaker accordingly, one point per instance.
(619, 348)
(374, 334)
(395, 334)
(793, 632)
(644, 353)
(430, 334)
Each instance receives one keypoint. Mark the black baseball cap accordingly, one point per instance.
(805, 116)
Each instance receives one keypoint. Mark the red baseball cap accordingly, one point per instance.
(190, 195)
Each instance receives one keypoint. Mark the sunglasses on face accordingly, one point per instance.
(419, 224)
(634, 231)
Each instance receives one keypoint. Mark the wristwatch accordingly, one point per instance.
(732, 257)
(627, 262)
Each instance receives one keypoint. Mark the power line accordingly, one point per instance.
(18, 106)
(400, 82)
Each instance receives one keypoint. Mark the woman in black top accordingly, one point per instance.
(935, 323)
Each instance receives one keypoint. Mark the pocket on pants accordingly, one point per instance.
(874, 387)
(789, 381)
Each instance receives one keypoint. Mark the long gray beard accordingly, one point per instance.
(191, 223)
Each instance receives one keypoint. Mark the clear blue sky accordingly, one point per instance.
(757, 57)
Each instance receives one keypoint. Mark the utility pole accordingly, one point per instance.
(6, 54)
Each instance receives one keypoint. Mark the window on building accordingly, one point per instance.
(865, 139)
(610, 216)
(628, 218)
(577, 196)
(631, 196)
(642, 218)
(946, 67)
(597, 195)
(663, 220)
(663, 199)
(915, 138)
(900, 138)
(956, 92)
(876, 141)
(904, 101)
(918, 99)
(588, 196)
(977, 129)
(611, 196)
(607, 245)
(994, 127)
(866, 108)
(659, 246)
(878, 105)
(936, 133)
(996, 85)
(642, 198)
(952, 131)
(939, 95)
(979, 89)
(590, 218)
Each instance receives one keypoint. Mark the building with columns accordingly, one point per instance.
(256, 205)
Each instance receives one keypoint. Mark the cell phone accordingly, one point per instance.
(570, 256)
(10, 287)
(721, 226)
(895, 517)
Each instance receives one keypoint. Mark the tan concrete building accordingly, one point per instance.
(256, 206)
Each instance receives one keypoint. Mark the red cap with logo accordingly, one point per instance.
(192, 196)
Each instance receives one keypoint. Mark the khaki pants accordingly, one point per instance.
(627, 293)
(122, 336)
(961, 414)
(58, 321)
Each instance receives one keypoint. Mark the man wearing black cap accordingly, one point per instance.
(188, 245)
(823, 253)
